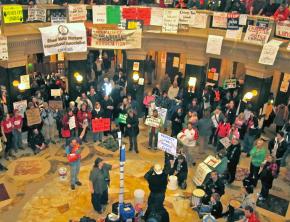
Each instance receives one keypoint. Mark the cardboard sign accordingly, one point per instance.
(33, 116)
(136, 66)
(116, 39)
(25, 80)
(21, 106)
(99, 14)
(101, 125)
(55, 92)
(283, 29)
(56, 104)
(200, 174)
(153, 122)
(122, 118)
(257, 35)
(170, 21)
(233, 21)
(69, 37)
(219, 20)
(284, 86)
(230, 84)
(198, 20)
(77, 13)
(214, 44)
(167, 144)
(36, 14)
(3, 48)
(72, 122)
(12, 14)
(268, 54)
(156, 16)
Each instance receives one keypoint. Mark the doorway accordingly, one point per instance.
(172, 64)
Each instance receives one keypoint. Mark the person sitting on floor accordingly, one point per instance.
(37, 142)
(214, 207)
(180, 170)
(213, 185)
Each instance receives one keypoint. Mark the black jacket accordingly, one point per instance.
(157, 183)
(134, 129)
(217, 210)
(218, 186)
(233, 154)
(266, 176)
(96, 114)
(282, 147)
(177, 121)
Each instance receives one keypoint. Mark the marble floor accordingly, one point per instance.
(38, 194)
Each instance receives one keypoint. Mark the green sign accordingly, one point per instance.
(113, 14)
(122, 118)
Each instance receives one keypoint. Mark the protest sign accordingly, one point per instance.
(219, 20)
(12, 14)
(113, 14)
(167, 143)
(144, 14)
(156, 16)
(36, 14)
(230, 84)
(200, 174)
(136, 66)
(25, 81)
(234, 34)
(21, 106)
(101, 125)
(72, 122)
(257, 35)
(284, 86)
(33, 116)
(263, 23)
(184, 20)
(243, 19)
(283, 29)
(170, 21)
(198, 20)
(56, 104)
(268, 54)
(77, 13)
(233, 21)
(58, 17)
(225, 142)
(3, 48)
(70, 37)
(122, 118)
(134, 24)
(116, 39)
(214, 44)
(129, 12)
(162, 112)
(153, 122)
(55, 92)
(99, 14)
(212, 161)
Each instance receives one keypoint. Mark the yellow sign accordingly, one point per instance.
(132, 25)
(12, 14)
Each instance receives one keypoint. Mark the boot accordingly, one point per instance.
(11, 154)
(6, 156)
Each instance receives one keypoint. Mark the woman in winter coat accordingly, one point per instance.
(176, 122)
(281, 116)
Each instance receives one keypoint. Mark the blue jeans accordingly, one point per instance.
(17, 139)
(204, 209)
(248, 143)
(74, 171)
(98, 136)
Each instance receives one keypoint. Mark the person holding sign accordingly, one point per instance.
(133, 130)
(153, 131)
(6, 129)
(68, 126)
(73, 151)
(83, 118)
(97, 113)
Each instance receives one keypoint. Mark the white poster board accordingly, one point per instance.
(243, 19)
(167, 143)
(156, 16)
(214, 44)
(198, 20)
(201, 172)
(234, 34)
(268, 54)
(283, 29)
(212, 161)
(3, 48)
(77, 12)
(162, 112)
(99, 14)
(153, 122)
(36, 14)
(220, 20)
(25, 81)
(21, 106)
(257, 35)
(72, 122)
(170, 21)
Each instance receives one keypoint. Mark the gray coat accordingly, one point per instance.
(204, 126)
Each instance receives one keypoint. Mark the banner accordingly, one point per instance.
(116, 39)
(156, 16)
(99, 14)
(77, 13)
(153, 122)
(21, 106)
(36, 14)
(113, 14)
(257, 35)
(70, 37)
(219, 20)
(268, 54)
(122, 118)
(283, 29)
(3, 48)
(33, 116)
(101, 125)
(167, 143)
(144, 14)
(55, 104)
(198, 20)
(170, 21)
(58, 17)
(214, 44)
(233, 21)
(200, 174)
(12, 14)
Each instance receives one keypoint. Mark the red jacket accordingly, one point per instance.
(223, 129)
(281, 16)
(81, 116)
(253, 218)
(7, 125)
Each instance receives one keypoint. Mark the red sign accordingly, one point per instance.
(101, 125)
(129, 13)
(144, 14)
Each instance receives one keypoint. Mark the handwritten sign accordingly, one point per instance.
(283, 29)
(198, 20)
(21, 106)
(99, 14)
(284, 86)
(167, 143)
(162, 112)
(58, 17)
(12, 14)
(243, 19)
(3, 48)
(55, 92)
(268, 54)
(257, 35)
(36, 14)
(136, 66)
(214, 44)
(170, 21)
(225, 142)
(55, 104)
(156, 16)
(234, 34)
(200, 174)
(153, 122)
(25, 81)
(33, 116)
(122, 118)
(233, 21)
(72, 122)
(77, 13)
(219, 20)
(101, 125)
(212, 161)
(230, 84)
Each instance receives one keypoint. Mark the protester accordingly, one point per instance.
(180, 170)
(176, 122)
(213, 185)
(133, 130)
(250, 215)
(153, 131)
(204, 126)
(98, 113)
(84, 117)
(49, 124)
(148, 99)
(281, 116)
(213, 207)
(216, 118)
(17, 130)
(6, 130)
(38, 142)
(282, 13)
(233, 155)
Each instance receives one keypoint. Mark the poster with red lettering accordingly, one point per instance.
(144, 14)
(101, 125)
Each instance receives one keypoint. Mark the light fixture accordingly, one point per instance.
(15, 83)
(135, 76)
(249, 95)
(79, 78)
(255, 92)
(21, 86)
(76, 74)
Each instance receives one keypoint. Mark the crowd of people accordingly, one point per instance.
(204, 118)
